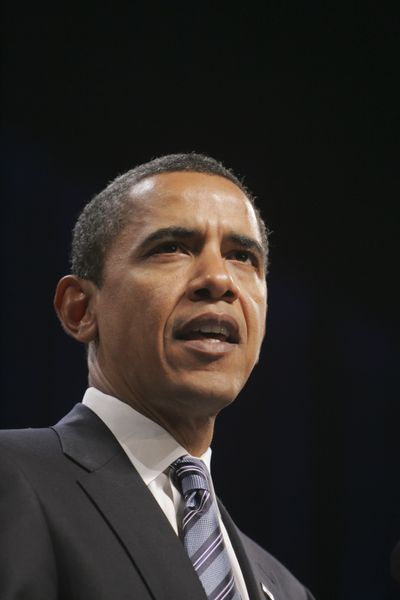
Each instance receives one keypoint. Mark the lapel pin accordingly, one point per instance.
(267, 593)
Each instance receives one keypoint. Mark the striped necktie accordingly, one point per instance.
(201, 533)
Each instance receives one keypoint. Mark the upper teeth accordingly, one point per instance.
(221, 329)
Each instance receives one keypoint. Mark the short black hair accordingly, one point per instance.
(104, 217)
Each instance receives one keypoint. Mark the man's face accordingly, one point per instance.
(181, 312)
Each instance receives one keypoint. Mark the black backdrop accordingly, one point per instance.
(312, 122)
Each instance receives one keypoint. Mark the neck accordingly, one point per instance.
(194, 432)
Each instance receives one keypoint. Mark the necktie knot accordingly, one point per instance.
(190, 475)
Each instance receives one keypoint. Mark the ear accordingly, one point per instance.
(74, 302)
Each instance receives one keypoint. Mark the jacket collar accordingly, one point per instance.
(130, 510)
(259, 586)
(119, 494)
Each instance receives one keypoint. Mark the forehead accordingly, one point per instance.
(192, 199)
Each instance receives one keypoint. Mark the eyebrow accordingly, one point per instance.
(181, 233)
(247, 242)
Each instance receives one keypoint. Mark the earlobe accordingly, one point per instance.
(74, 302)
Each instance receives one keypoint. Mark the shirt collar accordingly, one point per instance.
(149, 446)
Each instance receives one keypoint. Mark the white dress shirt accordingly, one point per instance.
(151, 450)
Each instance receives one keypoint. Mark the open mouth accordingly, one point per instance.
(217, 328)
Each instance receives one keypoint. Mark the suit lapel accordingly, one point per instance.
(258, 588)
(119, 494)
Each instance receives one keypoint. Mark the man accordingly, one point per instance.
(168, 293)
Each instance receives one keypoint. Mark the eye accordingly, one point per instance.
(168, 248)
(243, 256)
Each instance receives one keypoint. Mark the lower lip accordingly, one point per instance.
(208, 347)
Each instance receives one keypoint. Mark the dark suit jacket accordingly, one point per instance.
(78, 523)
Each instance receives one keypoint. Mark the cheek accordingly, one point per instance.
(257, 326)
(151, 302)
(254, 306)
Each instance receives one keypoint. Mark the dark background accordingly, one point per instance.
(308, 111)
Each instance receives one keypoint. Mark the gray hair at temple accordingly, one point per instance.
(104, 217)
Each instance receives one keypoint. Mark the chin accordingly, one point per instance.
(210, 395)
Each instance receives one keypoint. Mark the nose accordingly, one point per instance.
(211, 280)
